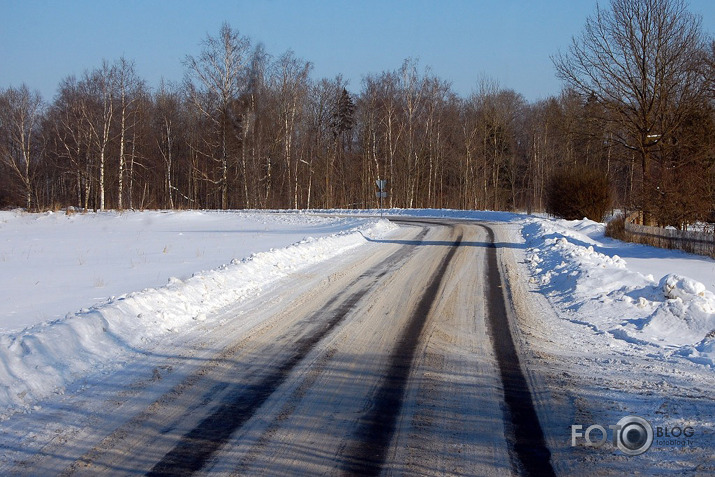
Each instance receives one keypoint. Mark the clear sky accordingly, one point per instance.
(462, 41)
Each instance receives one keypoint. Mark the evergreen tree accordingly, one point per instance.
(344, 115)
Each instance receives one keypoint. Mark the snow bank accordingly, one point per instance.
(572, 263)
(482, 215)
(111, 253)
(43, 358)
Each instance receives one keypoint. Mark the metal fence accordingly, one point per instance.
(702, 243)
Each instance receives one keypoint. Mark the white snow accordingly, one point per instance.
(631, 328)
(663, 301)
(613, 329)
(635, 293)
(627, 331)
(52, 264)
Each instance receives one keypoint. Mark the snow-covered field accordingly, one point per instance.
(630, 329)
(79, 290)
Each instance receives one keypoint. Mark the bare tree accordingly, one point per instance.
(97, 107)
(320, 152)
(215, 80)
(127, 88)
(638, 59)
(70, 139)
(438, 99)
(259, 174)
(20, 114)
(167, 127)
(290, 83)
(710, 70)
(412, 87)
(383, 93)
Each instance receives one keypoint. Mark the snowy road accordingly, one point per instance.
(382, 361)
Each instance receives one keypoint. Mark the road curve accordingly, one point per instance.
(399, 362)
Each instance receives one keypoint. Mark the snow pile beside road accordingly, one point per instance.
(687, 316)
(43, 358)
(578, 270)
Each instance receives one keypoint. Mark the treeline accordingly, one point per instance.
(249, 130)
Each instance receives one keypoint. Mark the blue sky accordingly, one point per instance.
(462, 41)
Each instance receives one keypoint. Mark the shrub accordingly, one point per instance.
(578, 192)
(616, 228)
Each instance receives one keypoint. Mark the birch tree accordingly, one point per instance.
(20, 114)
(127, 88)
(70, 139)
(215, 80)
(97, 107)
(167, 127)
(290, 83)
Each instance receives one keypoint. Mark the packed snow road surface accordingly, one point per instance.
(380, 362)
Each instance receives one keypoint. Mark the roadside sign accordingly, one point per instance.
(381, 194)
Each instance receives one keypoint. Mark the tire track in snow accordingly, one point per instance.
(376, 428)
(197, 446)
(528, 450)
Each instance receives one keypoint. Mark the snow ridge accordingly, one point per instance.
(44, 358)
(593, 286)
